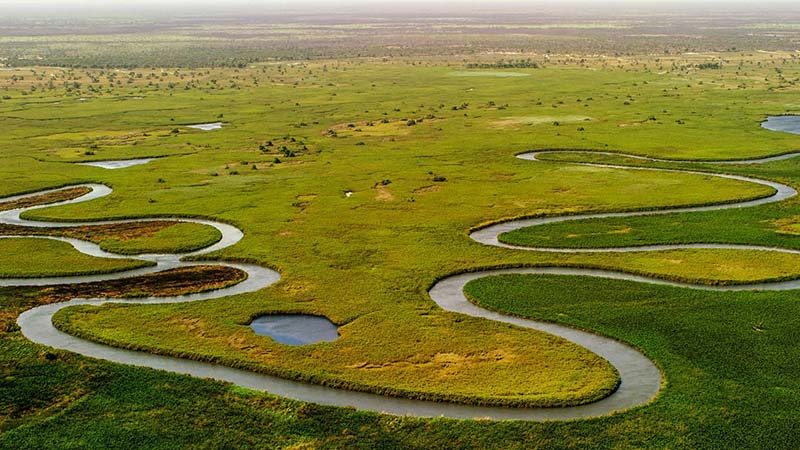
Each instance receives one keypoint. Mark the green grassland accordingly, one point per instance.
(769, 225)
(133, 238)
(366, 260)
(179, 237)
(31, 257)
(716, 396)
(726, 356)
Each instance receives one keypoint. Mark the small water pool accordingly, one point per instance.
(117, 164)
(206, 126)
(787, 124)
(295, 329)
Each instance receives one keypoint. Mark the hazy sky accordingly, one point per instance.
(373, 7)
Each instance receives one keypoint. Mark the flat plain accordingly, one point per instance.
(359, 180)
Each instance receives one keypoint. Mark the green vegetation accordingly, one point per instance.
(296, 219)
(716, 227)
(510, 64)
(56, 399)
(769, 225)
(179, 237)
(52, 197)
(556, 372)
(708, 267)
(716, 397)
(727, 357)
(132, 238)
(360, 220)
(30, 258)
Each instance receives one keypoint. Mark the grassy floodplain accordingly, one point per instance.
(132, 238)
(362, 198)
(31, 258)
(726, 356)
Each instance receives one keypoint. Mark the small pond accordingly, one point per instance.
(787, 124)
(295, 329)
(206, 126)
(117, 164)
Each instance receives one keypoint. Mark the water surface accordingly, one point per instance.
(117, 163)
(206, 126)
(787, 124)
(295, 329)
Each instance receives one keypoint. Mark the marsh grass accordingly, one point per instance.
(35, 258)
(366, 261)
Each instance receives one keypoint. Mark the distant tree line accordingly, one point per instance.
(510, 64)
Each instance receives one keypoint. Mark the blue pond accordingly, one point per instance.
(787, 124)
(295, 329)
